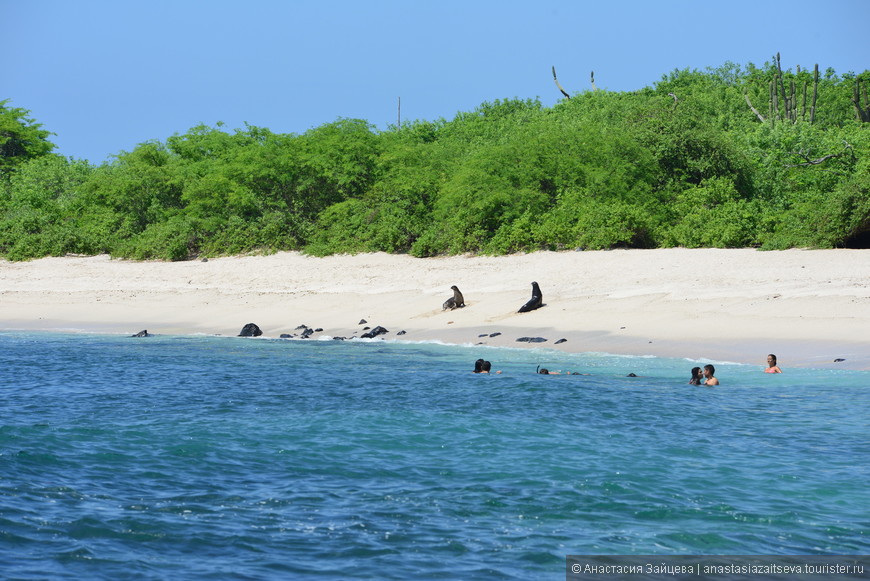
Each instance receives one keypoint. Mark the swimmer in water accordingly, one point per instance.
(487, 367)
(772, 367)
(709, 378)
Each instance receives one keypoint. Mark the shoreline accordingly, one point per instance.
(807, 306)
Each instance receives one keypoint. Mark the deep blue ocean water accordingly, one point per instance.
(196, 457)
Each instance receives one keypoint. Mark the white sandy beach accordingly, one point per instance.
(809, 307)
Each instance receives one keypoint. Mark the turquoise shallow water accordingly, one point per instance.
(218, 457)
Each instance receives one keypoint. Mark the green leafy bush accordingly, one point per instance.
(685, 162)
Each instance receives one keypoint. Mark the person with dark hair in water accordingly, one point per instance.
(772, 367)
(487, 367)
(478, 366)
(696, 376)
(709, 378)
(545, 371)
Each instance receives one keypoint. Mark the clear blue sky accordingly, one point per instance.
(106, 75)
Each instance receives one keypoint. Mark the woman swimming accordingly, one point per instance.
(772, 367)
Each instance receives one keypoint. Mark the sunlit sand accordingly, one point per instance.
(809, 307)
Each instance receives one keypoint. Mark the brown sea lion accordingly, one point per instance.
(457, 301)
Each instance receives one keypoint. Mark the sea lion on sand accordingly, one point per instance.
(457, 301)
(535, 302)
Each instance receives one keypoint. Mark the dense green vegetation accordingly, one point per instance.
(687, 162)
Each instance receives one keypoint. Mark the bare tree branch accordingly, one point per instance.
(819, 160)
(754, 110)
(812, 161)
(564, 92)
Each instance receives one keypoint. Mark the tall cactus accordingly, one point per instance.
(859, 96)
(783, 102)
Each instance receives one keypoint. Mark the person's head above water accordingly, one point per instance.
(478, 366)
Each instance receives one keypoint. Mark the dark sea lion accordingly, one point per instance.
(535, 302)
(457, 301)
